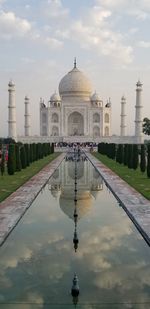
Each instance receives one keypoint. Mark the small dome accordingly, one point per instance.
(123, 98)
(139, 84)
(55, 97)
(11, 83)
(95, 97)
(75, 83)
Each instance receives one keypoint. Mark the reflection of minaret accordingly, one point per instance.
(12, 132)
(75, 290)
(75, 215)
(75, 238)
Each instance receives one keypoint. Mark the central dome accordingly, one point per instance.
(75, 83)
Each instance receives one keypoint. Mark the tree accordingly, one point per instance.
(135, 157)
(148, 161)
(52, 148)
(125, 158)
(11, 164)
(143, 159)
(31, 152)
(23, 157)
(26, 147)
(130, 156)
(3, 164)
(119, 154)
(18, 160)
(146, 126)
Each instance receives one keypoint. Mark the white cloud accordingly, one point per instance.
(137, 8)
(53, 43)
(95, 33)
(139, 13)
(13, 26)
(144, 44)
(56, 9)
(111, 3)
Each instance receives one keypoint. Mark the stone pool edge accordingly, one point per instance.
(136, 206)
(14, 206)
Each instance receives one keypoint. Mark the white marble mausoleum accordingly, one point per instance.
(75, 110)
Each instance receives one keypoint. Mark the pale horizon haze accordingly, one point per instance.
(40, 38)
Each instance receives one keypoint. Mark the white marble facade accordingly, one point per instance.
(75, 111)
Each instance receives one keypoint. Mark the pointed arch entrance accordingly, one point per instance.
(75, 124)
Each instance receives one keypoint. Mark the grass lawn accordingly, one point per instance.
(9, 183)
(134, 178)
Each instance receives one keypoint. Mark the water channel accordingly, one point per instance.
(59, 237)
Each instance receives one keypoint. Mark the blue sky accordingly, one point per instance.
(39, 39)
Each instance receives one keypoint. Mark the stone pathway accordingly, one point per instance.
(136, 206)
(14, 207)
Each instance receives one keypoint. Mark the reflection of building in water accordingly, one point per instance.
(89, 183)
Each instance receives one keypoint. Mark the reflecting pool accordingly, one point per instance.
(75, 229)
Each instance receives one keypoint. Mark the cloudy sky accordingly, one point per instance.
(39, 39)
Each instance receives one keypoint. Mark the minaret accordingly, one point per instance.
(75, 63)
(123, 117)
(27, 117)
(138, 110)
(12, 132)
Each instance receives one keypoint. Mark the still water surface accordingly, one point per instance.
(38, 260)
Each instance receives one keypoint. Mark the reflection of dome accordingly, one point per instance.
(84, 205)
(75, 83)
(55, 97)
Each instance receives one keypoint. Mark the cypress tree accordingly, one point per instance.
(26, 147)
(148, 160)
(135, 157)
(49, 148)
(52, 148)
(3, 164)
(11, 164)
(18, 160)
(34, 152)
(31, 152)
(42, 151)
(143, 159)
(119, 155)
(125, 157)
(23, 157)
(130, 156)
(113, 151)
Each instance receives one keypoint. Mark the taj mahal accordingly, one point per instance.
(75, 114)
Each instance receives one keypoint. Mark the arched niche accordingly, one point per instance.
(75, 124)
(55, 118)
(55, 131)
(96, 118)
(96, 131)
(107, 118)
(106, 131)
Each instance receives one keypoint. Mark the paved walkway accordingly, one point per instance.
(14, 207)
(136, 206)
